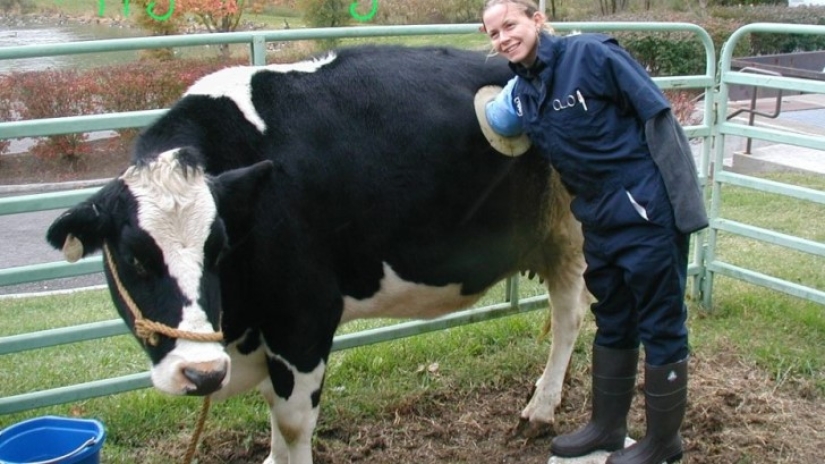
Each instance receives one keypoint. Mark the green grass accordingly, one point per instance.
(470, 41)
(782, 334)
(780, 214)
(359, 379)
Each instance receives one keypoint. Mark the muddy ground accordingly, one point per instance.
(736, 414)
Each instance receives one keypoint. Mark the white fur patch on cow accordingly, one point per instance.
(235, 83)
(306, 383)
(397, 298)
(177, 210)
(167, 376)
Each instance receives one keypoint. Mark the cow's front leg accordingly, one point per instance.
(570, 300)
(293, 399)
(278, 452)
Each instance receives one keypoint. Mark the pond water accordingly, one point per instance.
(43, 33)
(40, 34)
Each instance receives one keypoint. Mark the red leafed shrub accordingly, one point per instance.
(51, 94)
(147, 85)
(683, 105)
(135, 86)
(6, 109)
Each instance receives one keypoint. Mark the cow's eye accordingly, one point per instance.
(139, 268)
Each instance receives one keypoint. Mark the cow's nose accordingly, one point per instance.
(204, 381)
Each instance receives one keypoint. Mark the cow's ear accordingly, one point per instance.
(237, 191)
(77, 232)
(81, 230)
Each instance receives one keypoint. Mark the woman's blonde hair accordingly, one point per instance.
(528, 6)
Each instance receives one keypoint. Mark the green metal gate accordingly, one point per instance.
(702, 268)
(724, 129)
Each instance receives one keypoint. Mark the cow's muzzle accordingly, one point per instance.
(204, 378)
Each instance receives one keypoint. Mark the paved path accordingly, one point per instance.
(801, 114)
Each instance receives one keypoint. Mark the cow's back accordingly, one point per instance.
(379, 161)
(394, 168)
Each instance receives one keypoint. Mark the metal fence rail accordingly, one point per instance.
(725, 128)
(257, 42)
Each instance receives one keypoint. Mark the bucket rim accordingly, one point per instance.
(93, 428)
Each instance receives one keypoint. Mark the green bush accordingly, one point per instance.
(325, 13)
(680, 54)
(672, 53)
(393, 12)
(17, 6)
(667, 54)
(768, 44)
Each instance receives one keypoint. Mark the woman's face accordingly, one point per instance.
(513, 33)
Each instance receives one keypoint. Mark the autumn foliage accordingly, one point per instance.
(215, 15)
(164, 16)
(37, 95)
(60, 93)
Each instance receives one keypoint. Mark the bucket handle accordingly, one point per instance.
(90, 442)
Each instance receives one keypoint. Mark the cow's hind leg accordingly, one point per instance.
(569, 300)
(293, 407)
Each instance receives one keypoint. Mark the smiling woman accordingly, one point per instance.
(601, 106)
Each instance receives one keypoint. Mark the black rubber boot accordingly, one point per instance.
(665, 402)
(614, 382)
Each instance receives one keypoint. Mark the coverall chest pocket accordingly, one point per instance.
(583, 124)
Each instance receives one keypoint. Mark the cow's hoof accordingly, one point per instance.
(532, 430)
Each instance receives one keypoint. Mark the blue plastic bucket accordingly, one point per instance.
(52, 440)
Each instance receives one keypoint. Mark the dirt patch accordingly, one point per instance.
(736, 414)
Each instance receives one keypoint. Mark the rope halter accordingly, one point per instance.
(147, 330)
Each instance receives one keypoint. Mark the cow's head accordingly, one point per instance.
(161, 227)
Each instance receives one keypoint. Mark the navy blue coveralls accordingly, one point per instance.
(585, 104)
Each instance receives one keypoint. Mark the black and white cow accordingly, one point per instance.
(275, 203)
